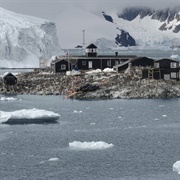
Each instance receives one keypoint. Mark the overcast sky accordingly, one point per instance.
(50, 9)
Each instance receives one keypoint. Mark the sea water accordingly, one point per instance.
(93, 140)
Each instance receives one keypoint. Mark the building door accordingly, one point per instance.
(90, 64)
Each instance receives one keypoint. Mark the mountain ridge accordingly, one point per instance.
(167, 15)
(146, 27)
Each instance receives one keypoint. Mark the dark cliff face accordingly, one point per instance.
(107, 17)
(161, 15)
(124, 39)
(165, 16)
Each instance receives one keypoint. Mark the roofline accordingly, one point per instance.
(166, 59)
(68, 58)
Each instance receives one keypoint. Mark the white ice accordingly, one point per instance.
(175, 57)
(108, 70)
(8, 99)
(75, 111)
(99, 145)
(94, 71)
(176, 167)
(53, 159)
(26, 115)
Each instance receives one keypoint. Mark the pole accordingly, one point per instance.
(68, 61)
(83, 46)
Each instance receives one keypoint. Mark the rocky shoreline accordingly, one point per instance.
(108, 85)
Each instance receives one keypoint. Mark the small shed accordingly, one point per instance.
(9, 79)
(62, 64)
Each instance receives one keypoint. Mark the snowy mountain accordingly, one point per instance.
(25, 39)
(130, 27)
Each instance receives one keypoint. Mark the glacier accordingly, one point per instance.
(24, 40)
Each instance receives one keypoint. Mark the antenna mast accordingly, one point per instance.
(83, 38)
(83, 46)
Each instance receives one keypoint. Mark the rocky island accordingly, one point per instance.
(93, 85)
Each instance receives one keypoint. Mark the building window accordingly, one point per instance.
(156, 65)
(121, 61)
(91, 50)
(109, 63)
(173, 75)
(173, 65)
(166, 76)
(63, 66)
(84, 63)
(116, 62)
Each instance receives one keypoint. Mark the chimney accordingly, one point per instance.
(116, 53)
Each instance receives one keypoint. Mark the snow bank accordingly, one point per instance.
(26, 116)
(93, 71)
(108, 70)
(176, 167)
(99, 145)
(72, 73)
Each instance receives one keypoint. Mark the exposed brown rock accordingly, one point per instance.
(110, 85)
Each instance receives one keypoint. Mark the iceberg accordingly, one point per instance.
(8, 99)
(26, 41)
(99, 145)
(27, 116)
(176, 167)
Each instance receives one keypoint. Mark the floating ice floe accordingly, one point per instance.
(161, 105)
(164, 115)
(8, 99)
(75, 111)
(53, 159)
(99, 145)
(176, 167)
(26, 116)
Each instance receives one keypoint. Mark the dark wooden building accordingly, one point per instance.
(137, 61)
(163, 69)
(169, 69)
(9, 79)
(91, 60)
(61, 65)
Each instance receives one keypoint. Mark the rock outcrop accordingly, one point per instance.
(104, 85)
